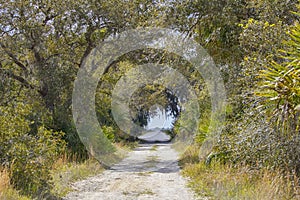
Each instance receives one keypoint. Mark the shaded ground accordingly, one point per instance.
(149, 172)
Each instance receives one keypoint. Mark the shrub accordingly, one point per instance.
(267, 133)
(28, 156)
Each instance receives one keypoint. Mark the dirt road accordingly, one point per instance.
(149, 172)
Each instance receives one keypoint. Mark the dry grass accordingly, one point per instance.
(65, 172)
(4, 180)
(191, 156)
(219, 181)
(225, 182)
(7, 192)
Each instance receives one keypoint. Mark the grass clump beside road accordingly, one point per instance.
(219, 181)
(65, 173)
(224, 182)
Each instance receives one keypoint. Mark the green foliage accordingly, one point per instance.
(32, 159)
(213, 23)
(258, 50)
(255, 141)
(265, 132)
(109, 132)
(29, 157)
(272, 11)
(280, 86)
(272, 137)
(43, 44)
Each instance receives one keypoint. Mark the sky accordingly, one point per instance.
(160, 121)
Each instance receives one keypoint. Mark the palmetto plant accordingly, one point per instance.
(280, 85)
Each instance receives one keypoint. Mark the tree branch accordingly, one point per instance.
(20, 79)
(13, 57)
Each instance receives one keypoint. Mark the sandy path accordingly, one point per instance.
(149, 172)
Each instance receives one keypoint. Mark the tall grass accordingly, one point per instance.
(219, 181)
(225, 182)
(7, 192)
(68, 170)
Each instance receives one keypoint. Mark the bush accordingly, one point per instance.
(268, 134)
(28, 156)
